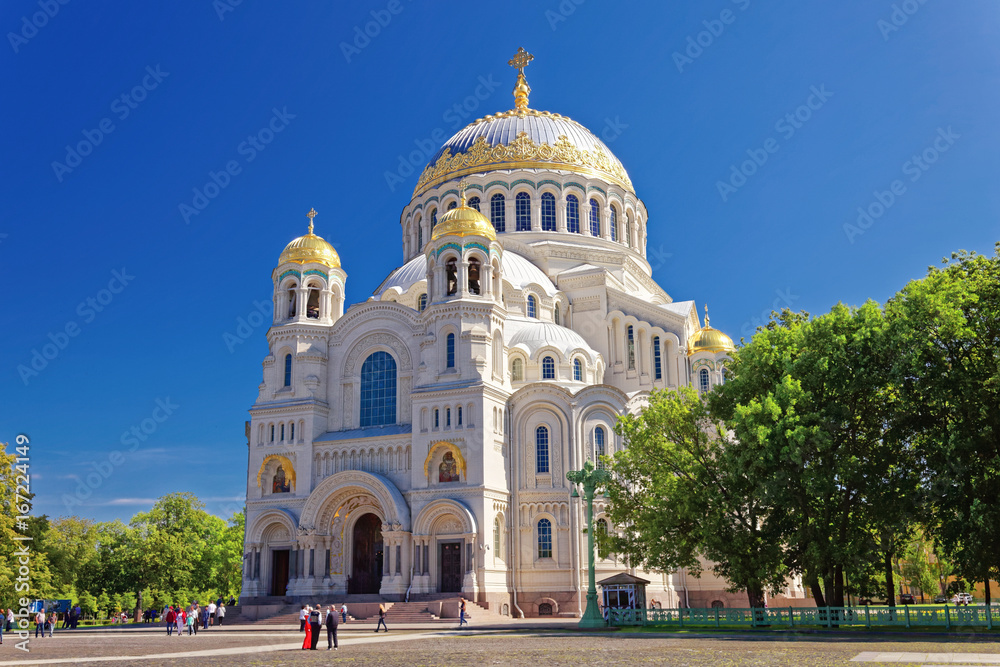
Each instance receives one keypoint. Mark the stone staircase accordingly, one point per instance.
(288, 616)
(400, 613)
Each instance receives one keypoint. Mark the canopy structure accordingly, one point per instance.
(623, 591)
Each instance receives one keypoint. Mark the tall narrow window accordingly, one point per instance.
(272, 432)
(657, 364)
(548, 212)
(474, 203)
(498, 212)
(422, 303)
(522, 212)
(541, 450)
(572, 214)
(545, 539)
(282, 433)
(600, 532)
(288, 370)
(291, 432)
(459, 415)
(434, 218)
(420, 237)
(577, 370)
(312, 304)
(437, 418)
(452, 205)
(599, 445)
(378, 390)
(548, 368)
(450, 350)
(532, 306)
(630, 342)
(447, 417)
(628, 229)
(474, 287)
(516, 370)
(557, 315)
(613, 223)
(451, 276)
(291, 301)
(496, 537)
(704, 382)
(595, 218)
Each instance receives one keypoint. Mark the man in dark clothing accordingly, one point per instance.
(314, 624)
(331, 628)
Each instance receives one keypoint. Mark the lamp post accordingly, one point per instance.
(590, 479)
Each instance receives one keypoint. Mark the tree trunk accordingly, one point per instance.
(986, 590)
(137, 614)
(890, 585)
(755, 596)
(817, 591)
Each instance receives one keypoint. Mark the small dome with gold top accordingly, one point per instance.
(310, 248)
(464, 220)
(708, 339)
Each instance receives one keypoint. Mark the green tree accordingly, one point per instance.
(947, 329)
(680, 491)
(71, 548)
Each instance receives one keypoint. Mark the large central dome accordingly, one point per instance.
(522, 139)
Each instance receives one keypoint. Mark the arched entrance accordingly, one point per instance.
(366, 571)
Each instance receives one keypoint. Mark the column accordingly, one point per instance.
(325, 302)
(510, 220)
(463, 276)
(606, 219)
(561, 214)
(536, 214)
(301, 303)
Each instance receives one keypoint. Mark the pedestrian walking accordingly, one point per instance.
(220, 613)
(307, 640)
(343, 612)
(461, 614)
(171, 618)
(10, 619)
(331, 628)
(302, 618)
(40, 623)
(3, 622)
(192, 620)
(205, 615)
(212, 608)
(381, 619)
(53, 619)
(314, 625)
(180, 620)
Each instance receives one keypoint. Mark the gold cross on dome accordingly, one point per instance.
(520, 59)
(462, 185)
(311, 214)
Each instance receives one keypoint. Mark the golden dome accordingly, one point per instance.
(310, 248)
(463, 220)
(709, 340)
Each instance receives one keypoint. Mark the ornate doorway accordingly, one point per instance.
(279, 571)
(366, 573)
(451, 567)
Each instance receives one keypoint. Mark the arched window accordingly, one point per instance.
(545, 539)
(451, 276)
(532, 306)
(434, 218)
(557, 315)
(601, 530)
(437, 418)
(474, 203)
(498, 212)
(522, 212)
(291, 301)
(704, 381)
(459, 415)
(496, 536)
(541, 450)
(282, 432)
(474, 276)
(312, 304)
(272, 432)
(577, 370)
(452, 205)
(288, 370)
(548, 368)
(420, 237)
(630, 343)
(599, 445)
(291, 432)
(378, 390)
(422, 303)
(595, 218)
(516, 370)
(548, 212)
(657, 364)
(450, 350)
(572, 214)
(613, 223)
(447, 417)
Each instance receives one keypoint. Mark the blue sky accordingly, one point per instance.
(887, 107)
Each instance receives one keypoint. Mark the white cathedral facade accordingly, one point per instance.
(418, 443)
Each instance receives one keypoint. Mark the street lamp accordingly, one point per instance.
(589, 479)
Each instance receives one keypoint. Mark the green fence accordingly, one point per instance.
(811, 617)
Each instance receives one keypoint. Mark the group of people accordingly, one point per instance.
(178, 618)
(311, 619)
(45, 622)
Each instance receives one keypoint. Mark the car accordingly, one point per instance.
(864, 602)
(906, 598)
(962, 598)
(940, 599)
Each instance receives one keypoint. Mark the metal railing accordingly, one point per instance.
(812, 617)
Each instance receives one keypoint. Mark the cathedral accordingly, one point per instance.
(417, 443)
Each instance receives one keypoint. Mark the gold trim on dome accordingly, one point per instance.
(521, 153)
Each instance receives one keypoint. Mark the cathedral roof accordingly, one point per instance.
(464, 221)
(517, 271)
(310, 248)
(532, 335)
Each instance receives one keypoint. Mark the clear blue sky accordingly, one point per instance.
(881, 93)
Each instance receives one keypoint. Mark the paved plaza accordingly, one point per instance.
(529, 647)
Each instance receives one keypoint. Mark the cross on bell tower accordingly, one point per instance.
(520, 60)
